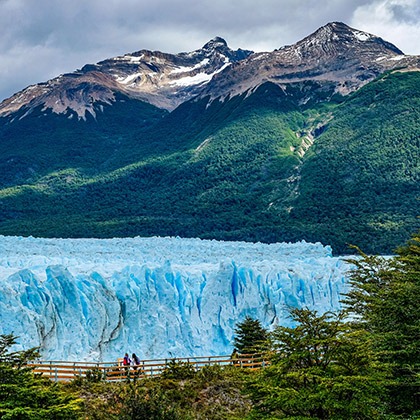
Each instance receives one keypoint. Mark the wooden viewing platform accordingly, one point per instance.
(115, 371)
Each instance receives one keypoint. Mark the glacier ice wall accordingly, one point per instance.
(95, 299)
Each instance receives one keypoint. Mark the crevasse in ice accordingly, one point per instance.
(95, 299)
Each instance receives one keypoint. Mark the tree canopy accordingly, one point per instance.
(250, 336)
(385, 297)
(24, 395)
(321, 369)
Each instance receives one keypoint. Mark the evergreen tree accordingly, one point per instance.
(250, 337)
(385, 296)
(24, 395)
(321, 369)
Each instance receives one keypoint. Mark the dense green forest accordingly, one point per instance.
(361, 363)
(275, 165)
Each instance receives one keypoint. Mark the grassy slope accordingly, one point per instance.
(230, 170)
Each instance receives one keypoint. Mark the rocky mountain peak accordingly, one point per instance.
(218, 48)
(214, 43)
(337, 39)
(335, 35)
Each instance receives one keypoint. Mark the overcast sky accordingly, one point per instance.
(40, 39)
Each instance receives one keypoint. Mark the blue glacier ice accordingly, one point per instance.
(95, 299)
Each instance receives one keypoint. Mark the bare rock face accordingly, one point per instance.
(335, 54)
(76, 91)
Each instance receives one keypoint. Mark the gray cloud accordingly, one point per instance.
(397, 21)
(43, 38)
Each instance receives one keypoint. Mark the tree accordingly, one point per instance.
(24, 395)
(321, 369)
(385, 297)
(250, 336)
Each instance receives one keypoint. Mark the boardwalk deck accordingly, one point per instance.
(115, 371)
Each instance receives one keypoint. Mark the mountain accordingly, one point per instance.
(316, 141)
(163, 80)
(335, 53)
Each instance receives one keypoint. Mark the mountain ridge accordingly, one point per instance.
(161, 79)
(334, 53)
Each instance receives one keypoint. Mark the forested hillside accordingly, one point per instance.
(280, 164)
(361, 180)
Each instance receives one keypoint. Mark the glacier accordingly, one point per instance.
(95, 299)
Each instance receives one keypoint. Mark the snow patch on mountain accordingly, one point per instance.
(128, 79)
(397, 58)
(200, 78)
(183, 69)
(361, 36)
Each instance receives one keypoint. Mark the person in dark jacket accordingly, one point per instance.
(135, 361)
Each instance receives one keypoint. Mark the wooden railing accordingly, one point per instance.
(115, 371)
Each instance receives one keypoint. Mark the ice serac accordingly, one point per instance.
(90, 299)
